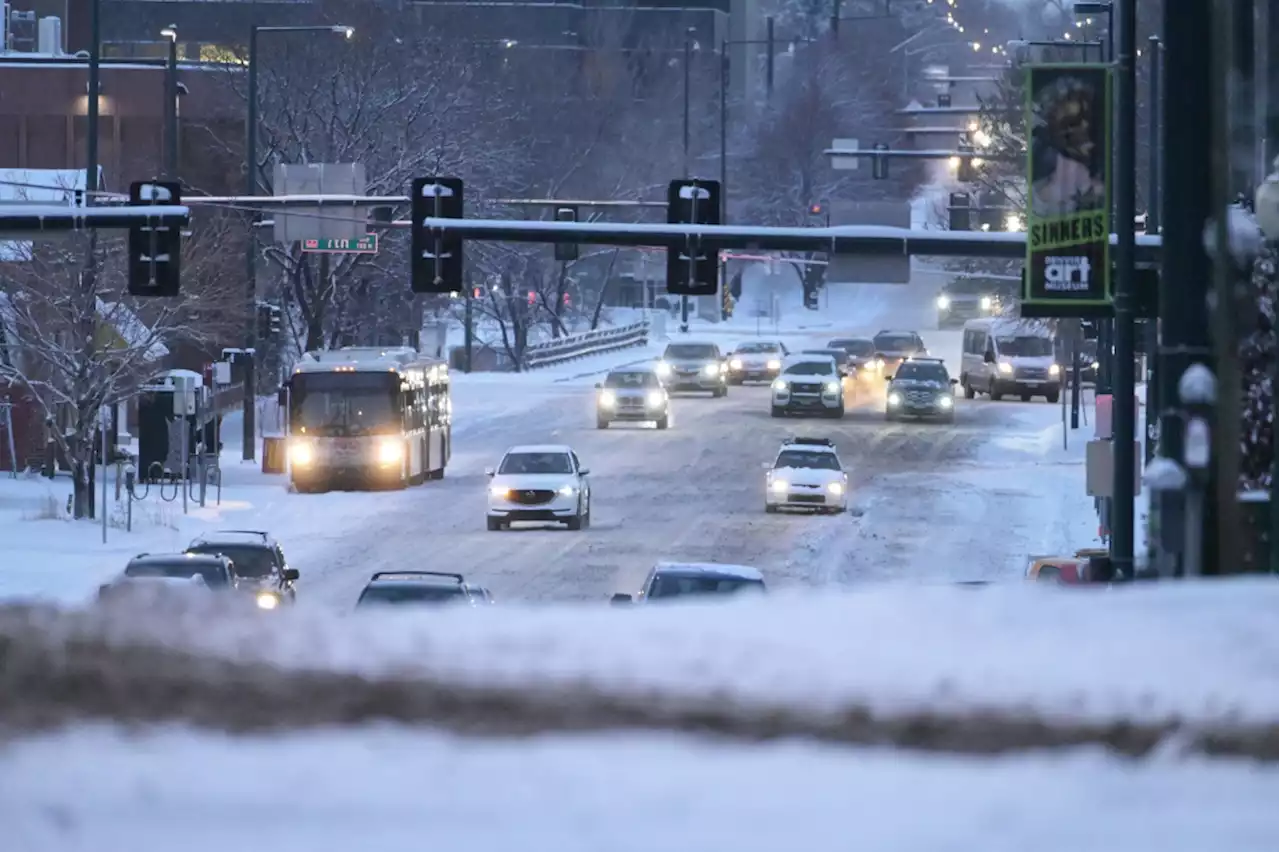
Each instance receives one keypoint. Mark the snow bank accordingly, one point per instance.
(1197, 654)
(389, 789)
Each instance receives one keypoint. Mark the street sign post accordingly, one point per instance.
(368, 244)
(1069, 174)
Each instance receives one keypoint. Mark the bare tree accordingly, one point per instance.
(831, 93)
(77, 343)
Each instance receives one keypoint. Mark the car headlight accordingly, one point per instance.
(835, 488)
(1054, 369)
(390, 451)
(774, 365)
(943, 303)
(1094, 365)
(655, 399)
(945, 402)
(736, 363)
(832, 387)
(500, 492)
(985, 303)
(711, 370)
(301, 453)
(567, 491)
(779, 485)
(267, 600)
(1005, 367)
(895, 399)
(780, 386)
(608, 399)
(662, 368)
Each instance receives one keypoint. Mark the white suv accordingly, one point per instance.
(806, 474)
(808, 384)
(543, 484)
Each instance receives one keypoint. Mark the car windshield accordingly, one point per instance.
(424, 593)
(247, 560)
(807, 458)
(682, 585)
(757, 348)
(924, 371)
(1025, 346)
(344, 404)
(810, 368)
(536, 463)
(180, 569)
(970, 287)
(897, 343)
(635, 379)
(854, 347)
(690, 351)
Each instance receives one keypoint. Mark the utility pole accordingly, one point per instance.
(1185, 270)
(171, 104)
(1152, 340)
(249, 356)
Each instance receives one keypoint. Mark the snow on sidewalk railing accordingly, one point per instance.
(585, 344)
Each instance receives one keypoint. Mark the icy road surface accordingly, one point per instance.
(391, 790)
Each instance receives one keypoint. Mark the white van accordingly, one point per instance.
(1009, 356)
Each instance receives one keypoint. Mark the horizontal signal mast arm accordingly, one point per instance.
(54, 217)
(839, 239)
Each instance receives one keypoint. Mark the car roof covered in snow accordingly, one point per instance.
(710, 569)
(175, 558)
(808, 445)
(233, 537)
(540, 448)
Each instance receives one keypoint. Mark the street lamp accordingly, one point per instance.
(251, 188)
(171, 103)
(1090, 8)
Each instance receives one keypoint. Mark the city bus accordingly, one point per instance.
(367, 418)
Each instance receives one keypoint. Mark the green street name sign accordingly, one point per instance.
(368, 244)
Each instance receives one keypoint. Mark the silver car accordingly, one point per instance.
(694, 367)
(632, 395)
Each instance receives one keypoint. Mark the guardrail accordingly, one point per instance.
(584, 345)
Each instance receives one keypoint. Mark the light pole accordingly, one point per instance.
(688, 58)
(251, 251)
(171, 104)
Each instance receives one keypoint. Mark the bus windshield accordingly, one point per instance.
(344, 404)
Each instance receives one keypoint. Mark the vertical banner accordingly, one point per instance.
(1068, 264)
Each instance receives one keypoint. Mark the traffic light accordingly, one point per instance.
(475, 292)
(566, 300)
(815, 210)
(155, 251)
(880, 163)
(275, 319)
(566, 251)
(958, 210)
(533, 298)
(692, 269)
(435, 259)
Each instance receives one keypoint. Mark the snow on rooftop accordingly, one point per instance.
(133, 331)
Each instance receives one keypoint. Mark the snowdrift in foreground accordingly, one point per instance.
(389, 790)
(890, 664)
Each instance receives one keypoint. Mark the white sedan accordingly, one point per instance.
(542, 484)
(807, 474)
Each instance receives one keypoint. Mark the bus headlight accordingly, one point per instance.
(608, 399)
(655, 399)
(390, 451)
(1054, 370)
(301, 453)
(267, 600)
(663, 369)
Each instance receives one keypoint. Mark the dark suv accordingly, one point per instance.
(208, 571)
(421, 588)
(894, 347)
(258, 561)
(921, 387)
